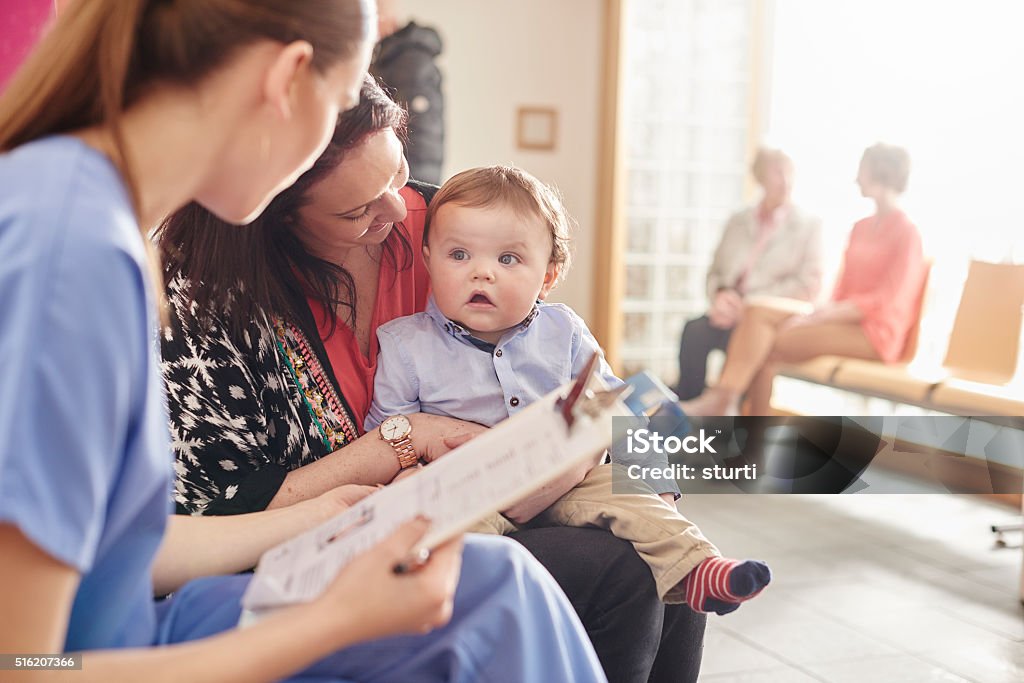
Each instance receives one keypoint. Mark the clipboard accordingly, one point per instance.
(487, 474)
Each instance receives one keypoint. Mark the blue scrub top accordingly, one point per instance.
(85, 463)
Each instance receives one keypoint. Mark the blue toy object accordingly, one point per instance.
(650, 397)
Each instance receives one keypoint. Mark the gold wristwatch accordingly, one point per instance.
(397, 431)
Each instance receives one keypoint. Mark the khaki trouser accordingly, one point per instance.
(669, 543)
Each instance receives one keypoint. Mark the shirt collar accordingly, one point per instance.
(454, 329)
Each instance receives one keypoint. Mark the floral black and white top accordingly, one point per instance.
(244, 409)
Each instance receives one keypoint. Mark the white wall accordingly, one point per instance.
(502, 54)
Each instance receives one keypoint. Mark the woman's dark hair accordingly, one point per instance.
(238, 272)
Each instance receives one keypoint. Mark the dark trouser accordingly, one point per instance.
(699, 339)
(636, 636)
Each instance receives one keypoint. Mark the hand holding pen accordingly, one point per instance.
(398, 586)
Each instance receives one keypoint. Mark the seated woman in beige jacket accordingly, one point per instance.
(770, 249)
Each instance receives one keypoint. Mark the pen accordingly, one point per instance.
(415, 562)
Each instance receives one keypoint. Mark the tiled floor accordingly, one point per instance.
(867, 588)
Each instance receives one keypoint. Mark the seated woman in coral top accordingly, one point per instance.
(869, 316)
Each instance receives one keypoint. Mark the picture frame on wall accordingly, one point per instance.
(536, 128)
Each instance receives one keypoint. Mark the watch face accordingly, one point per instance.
(395, 427)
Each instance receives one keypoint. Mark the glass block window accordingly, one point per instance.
(687, 94)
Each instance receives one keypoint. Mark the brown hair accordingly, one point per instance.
(261, 266)
(101, 55)
(512, 187)
(888, 165)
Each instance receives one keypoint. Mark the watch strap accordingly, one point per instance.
(406, 455)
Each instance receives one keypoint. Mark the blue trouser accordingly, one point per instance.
(510, 623)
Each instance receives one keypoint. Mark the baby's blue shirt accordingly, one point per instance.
(431, 364)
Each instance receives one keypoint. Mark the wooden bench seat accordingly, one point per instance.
(899, 382)
(819, 370)
(980, 361)
(961, 397)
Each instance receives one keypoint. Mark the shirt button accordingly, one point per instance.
(498, 353)
(513, 401)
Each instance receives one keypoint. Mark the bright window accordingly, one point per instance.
(938, 77)
(689, 75)
(941, 79)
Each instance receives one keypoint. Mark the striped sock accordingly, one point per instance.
(719, 584)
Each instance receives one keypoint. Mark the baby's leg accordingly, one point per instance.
(720, 584)
(496, 524)
(670, 544)
(686, 566)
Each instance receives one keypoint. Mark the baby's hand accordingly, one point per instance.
(434, 435)
(453, 442)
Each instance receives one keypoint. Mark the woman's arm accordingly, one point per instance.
(366, 601)
(204, 546)
(36, 592)
(369, 460)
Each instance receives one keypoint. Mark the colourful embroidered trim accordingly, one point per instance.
(305, 400)
(332, 421)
